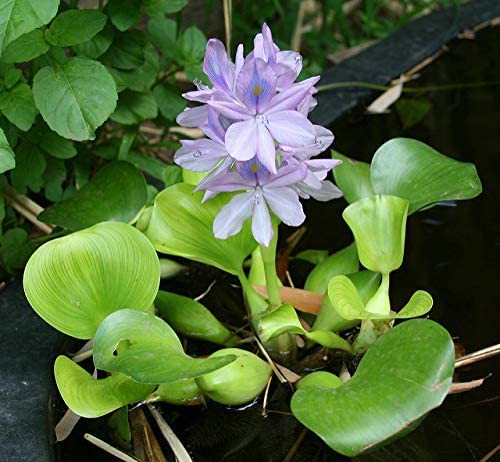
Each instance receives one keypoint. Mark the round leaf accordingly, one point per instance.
(146, 349)
(75, 281)
(379, 227)
(75, 98)
(89, 397)
(404, 375)
(414, 171)
(181, 225)
(25, 48)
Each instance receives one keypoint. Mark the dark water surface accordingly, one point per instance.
(451, 251)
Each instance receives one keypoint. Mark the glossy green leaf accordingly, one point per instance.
(146, 349)
(346, 300)
(124, 13)
(75, 26)
(18, 106)
(404, 375)
(320, 379)
(284, 320)
(190, 318)
(75, 281)
(97, 45)
(237, 383)
(18, 17)
(353, 178)
(344, 261)
(26, 47)
(181, 225)
(75, 98)
(89, 397)
(414, 171)
(379, 227)
(116, 193)
(133, 108)
(7, 159)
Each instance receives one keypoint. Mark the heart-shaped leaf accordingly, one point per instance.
(284, 320)
(89, 397)
(414, 171)
(353, 178)
(346, 300)
(146, 349)
(344, 261)
(181, 225)
(192, 319)
(404, 375)
(321, 379)
(379, 227)
(116, 193)
(75, 281)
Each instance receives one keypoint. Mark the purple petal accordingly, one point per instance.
(231, 217)
(232, 109)
(228, 182)
(193, 117)
(217, 66)
(221, 169)
(256, 85)
(239, 60)
(200, 155)
(292, 96)
(290, 59)
(287, 175)
(291, 128)
(266, 150)
(241, 139)
(262, 227)
(326, 192)
(253, 171)
(285, 203)
(200, 96)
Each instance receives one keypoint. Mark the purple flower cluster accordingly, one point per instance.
(260, 141)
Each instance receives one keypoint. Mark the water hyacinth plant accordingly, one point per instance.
(255, 164)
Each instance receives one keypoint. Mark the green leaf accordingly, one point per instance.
(403, 376)
(153, 167)
(347, 301)
(412, 110)
(75, 98)
(414, 171)
(97, 45)
(26, 47)
(75, 26)
(192, 45)
(344, 261)
(181, 392)
(320, 379)
(89, 397)
(120, 427)
(18, 106)
(164, 33)
(124, 13)
(169, 101)
(127, 51)
(190, 318)
(161, 7)
(146, 349)
(181, 225)
(11, 75)
(312, 256)
(75, 281)
(22, 16)
(172, 175)
(54, 176)
(116, 193)
(379, 227)
(56, 145)
(284, 320)
(133, 108)
(7, 159)
(30, 165)
(16, 248)
(353, 178)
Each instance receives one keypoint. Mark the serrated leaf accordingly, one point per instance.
(97, 45)
(7, 159)
(75, 98)
(117, 192)
(146, 349)
(26, 47)
(181, 225)
(30, 165)
(403, 376)
(124, 13)
(19, 17)
(164, 33)
(414, 171)
(75, 26)
(18, 107)
(127, 50)
(133, 108)
(75, 281)
(353, 178)
(16, 248)
(169, 101)
(192, 44)
(89, 397)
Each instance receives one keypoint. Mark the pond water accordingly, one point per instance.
(451, 251)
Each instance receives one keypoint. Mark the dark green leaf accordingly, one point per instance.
(153, 167)
(170, 102)
(127, 50)
(54, 176)
(134, 108)
(97, 45)
(18, 106)
(172, 175)
(117, 192)
(7, 160)
(16, 248)
(192, 44)
(25, 48)
(404, 375)
(353, 178)
(124, 13)
(120, 427)
(412, 110)
(75, 26)
(56, 145)
(161, 7)
(164, 33)
(11, 76)
(30, 165)
(75, 98)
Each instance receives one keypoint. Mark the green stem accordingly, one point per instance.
(380, 303)
(269, 259)
(255, 302)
